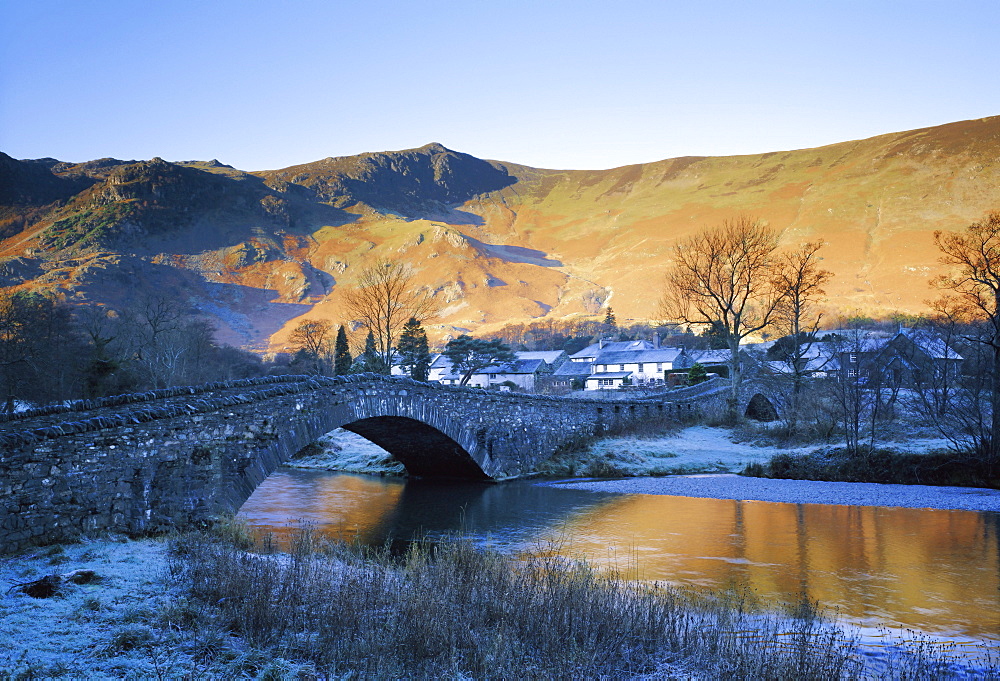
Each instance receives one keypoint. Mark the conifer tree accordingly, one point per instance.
(371, 360)
(341, 354)
(414, 354)
(697, 374)
(609, 320)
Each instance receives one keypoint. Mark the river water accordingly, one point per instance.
(933, 571)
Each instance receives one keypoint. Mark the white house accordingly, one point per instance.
(439, 369)
(642, 367)
(523, 372)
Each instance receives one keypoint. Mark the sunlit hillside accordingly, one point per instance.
(494, 242)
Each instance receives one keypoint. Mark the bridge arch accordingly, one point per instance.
(760, 408)
(424, 450)
(428, 442)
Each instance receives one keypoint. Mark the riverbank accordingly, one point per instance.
(730, 486)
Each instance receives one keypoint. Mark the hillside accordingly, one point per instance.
(495, 242)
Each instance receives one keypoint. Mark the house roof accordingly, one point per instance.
(547, 356)
(637, 356)
(811, 365)
(520, 366)
(594, 349)
(610, 374)
(709, 356)
(440, 362)
(930, 343)
(574, 369)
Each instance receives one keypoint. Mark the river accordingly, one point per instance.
(932, 571)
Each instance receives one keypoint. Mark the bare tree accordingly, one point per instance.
(384, 300)
(312, 340)
(955, 402)
(726, 275)
(153, 338)
(801, 278)
(859, 389)
(975, 285)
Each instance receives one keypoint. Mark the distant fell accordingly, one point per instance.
(493, 242)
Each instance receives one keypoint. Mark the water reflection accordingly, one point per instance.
(936, 571)
(933, 570)
(376, 510)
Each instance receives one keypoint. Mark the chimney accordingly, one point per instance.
(600, 343)
(656, 341)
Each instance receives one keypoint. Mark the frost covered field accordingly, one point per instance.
(133, 621)
(87, 630)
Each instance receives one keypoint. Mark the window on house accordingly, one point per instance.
(621, 367)
(854, 358)
(852, 373)
(659, 366)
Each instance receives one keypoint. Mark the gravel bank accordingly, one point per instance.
(728, 486)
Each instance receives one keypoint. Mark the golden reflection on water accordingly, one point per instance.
(935, 571)
(342, 506)
(938, 571)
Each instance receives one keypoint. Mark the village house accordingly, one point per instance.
(909, 358)
(525, 372)
(613, 364)
(570, 375)
(638, 367)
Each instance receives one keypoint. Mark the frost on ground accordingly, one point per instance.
(696, 449)
(708, 449)
(129, 623)
(87, 630)
(342, 450)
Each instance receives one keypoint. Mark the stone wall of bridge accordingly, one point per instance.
(183, 456)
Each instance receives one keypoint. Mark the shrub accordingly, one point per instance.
(880, 465)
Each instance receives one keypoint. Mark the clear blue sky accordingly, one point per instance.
(556, 84)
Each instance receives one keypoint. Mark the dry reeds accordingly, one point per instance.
(454, 610)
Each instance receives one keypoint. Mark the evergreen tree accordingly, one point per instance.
(468, 355)
(414, 354)
(697, 374)
(609, 320)
(341, 354)
(370, 360)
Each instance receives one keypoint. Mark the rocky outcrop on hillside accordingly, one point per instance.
(415, 183)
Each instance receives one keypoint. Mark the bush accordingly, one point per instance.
(697, 374)
(881, 465)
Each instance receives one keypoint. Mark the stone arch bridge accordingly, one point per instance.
(169, 458)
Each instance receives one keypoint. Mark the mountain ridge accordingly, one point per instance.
(261, 249)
